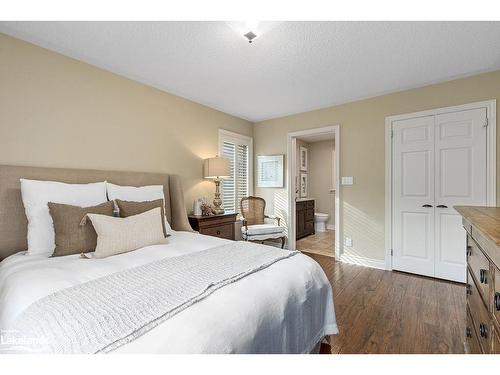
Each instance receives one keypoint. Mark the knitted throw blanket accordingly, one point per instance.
(103, 314)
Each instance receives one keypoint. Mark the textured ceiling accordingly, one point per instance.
(294, 67)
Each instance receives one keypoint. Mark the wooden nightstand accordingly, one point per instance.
(217, 225)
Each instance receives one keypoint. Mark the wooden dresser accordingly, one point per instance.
(221, 226)
(482, 224)
(304, 218)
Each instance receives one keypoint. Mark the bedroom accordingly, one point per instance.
(112, 147)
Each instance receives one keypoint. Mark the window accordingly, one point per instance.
(238, 149)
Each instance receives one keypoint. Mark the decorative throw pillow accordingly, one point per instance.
(127, 209)
(145, 193)
(37, 194)
(74, 235)
(116, 235)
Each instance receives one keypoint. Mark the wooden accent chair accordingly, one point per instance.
(254, 226)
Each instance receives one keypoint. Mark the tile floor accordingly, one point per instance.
(322, 243)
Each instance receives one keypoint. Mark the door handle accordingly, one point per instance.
(442, 206)
(427, 205)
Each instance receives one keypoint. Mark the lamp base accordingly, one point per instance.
(219, 210)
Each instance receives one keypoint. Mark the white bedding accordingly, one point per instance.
(285, 308)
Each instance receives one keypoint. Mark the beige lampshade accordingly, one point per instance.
(216, 168)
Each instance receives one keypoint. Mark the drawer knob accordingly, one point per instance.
(497, 301)
(468, 332)
(483, 332)
(483, 276)
(468, 289)
(218, 232)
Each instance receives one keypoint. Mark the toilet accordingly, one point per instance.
(320, 220)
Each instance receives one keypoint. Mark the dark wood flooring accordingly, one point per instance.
(392, 312)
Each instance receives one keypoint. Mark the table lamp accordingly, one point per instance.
(217, 168)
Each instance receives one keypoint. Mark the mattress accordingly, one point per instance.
(284, 308)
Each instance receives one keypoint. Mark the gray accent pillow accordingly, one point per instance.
(128, 208)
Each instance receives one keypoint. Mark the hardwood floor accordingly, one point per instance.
(392, 312)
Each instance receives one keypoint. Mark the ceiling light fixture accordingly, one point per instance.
(251, 26)
(250, 36)
(251, 29)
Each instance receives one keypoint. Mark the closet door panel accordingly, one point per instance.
(413, 195)
(460, 179)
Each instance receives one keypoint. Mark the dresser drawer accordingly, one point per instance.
(479, 266)
(496, 343)
(310, 204)
(467, 226)
(222, 231)
(480, 316)
(496, 295)
(471, 340)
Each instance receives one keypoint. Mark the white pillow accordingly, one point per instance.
(134, 194)
(116, 235)
(137, 194)
(36, 195)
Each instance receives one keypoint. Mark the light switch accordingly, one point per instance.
(348, 241)
(349, 180)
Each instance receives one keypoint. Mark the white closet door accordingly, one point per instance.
(413, 195)
(460, 170)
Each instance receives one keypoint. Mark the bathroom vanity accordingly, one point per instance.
(304, 219)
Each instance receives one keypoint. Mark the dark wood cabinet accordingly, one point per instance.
(221, 226)
(304, 211)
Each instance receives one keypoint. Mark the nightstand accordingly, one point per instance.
(221, 226)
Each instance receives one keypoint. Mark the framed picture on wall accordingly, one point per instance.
(270, 170)
(303, 185)
(303, 158)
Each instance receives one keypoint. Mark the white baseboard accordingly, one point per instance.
(362, 261)
(330, 227)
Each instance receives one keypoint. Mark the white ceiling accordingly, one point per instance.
(294, 67)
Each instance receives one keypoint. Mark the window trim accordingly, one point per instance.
(226, 135)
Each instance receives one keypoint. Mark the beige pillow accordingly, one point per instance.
(72, 234)
(116, 235)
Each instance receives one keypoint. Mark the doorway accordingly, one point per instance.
(438, 159)
(313, 196)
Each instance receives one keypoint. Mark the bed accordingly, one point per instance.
(285, 307)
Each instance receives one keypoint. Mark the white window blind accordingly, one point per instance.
(237, 149)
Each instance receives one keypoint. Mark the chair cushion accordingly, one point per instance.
(262, 229)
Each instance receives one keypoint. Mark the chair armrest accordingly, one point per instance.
(244, 222)
(273, 218)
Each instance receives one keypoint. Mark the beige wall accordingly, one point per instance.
(59, 112)
(321, 178)
(362, 150)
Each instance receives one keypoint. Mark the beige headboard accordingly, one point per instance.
(13, 222)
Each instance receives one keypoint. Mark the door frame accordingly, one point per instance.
(291, 166)
(491, 179)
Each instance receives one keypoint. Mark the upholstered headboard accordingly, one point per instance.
(13, 222)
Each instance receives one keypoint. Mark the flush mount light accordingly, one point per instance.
(250, 30)
(250, 36)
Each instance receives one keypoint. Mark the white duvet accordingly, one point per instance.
(285, 308)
